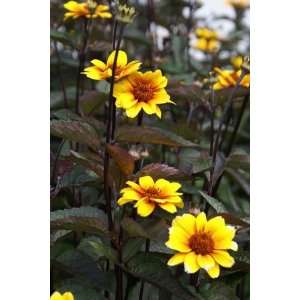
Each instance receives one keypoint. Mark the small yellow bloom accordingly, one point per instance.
(88, 9)
(238, 3)
(102, 71)
(208, 40)
(142, 91)
(149, 194)
(237, 62)
(65, 296)
(201, 243)
(229, 78)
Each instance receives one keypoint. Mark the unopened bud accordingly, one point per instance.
(125, 13)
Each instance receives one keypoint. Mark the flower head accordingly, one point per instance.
(229, 78)
(207, 40)
(237, 62)
(149, 194)
(201, 243)
(88, 9)
(238, 3)
(142, 91)
(65, 296)
(102, 71)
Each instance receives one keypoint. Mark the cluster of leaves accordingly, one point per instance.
(83, 250)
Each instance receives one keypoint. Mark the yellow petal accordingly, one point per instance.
(176, 259)
(121, 60)
(215, 224)
(223, 258)
(134, 186)
(133, 111)
(130, 68)
(205, 261)
(123, 201)
(146, 182)
(190, 263)
(234, 246)
(158, 112)
(56, 296)
(187, 222)
(178, 245)
(174, 186)
(147, 108)
(177, 233)
(169, 207)
(131, 194)
(201, 221)
(71, 5)
(145, 208)
(98, 63)
(126, 100)
(68, 296)
(214, 272)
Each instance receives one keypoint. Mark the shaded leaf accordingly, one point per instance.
(213, 202)
(86, 219)
(151, 135)
(151, 268)
(157, 171)
(76, 131)
(240, 179)
(123, 159)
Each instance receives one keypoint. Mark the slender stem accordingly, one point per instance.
(147, 247)
(224, 116)
(82, 54)
(229, 117)
(55, 162)
(60, 76)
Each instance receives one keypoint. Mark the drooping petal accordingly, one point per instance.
(205, 261)
(56, 296)
(147, 108)
(223, 258)
(169, 207)
(145, 208)
(176, 259)
(190, 263)
(214, 272)
(158, 112)
(133, 111)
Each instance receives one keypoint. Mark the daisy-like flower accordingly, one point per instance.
(201, 243)
(102, 71)
(65, 296)
(229, 78)
(208, 40)
(149, 194)
(238, 3)
(88, 9)
(142, 91)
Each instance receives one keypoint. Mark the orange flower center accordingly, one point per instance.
(201, 243)
(143, 91)
(152, 193)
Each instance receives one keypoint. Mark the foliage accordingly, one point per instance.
(100, 250)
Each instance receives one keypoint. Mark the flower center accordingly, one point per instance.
(152, 193)
(143, 92)
(201, 243)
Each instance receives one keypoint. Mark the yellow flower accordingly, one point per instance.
(149, 194)
(238, 3)
(201, 243)
(65, 296)
(237, 61)
(142, 91)
(88, 9)
(102, 71)
(208, 40)
(229, 78)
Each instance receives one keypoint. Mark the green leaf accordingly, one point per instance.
(151, 268)
(213, 202)
(62, 37)
(132, 247)
(133, 228)
(218, 291)
(104, 249)
(85, 218)
(238, 161)
(76, 131)
(151, 135)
